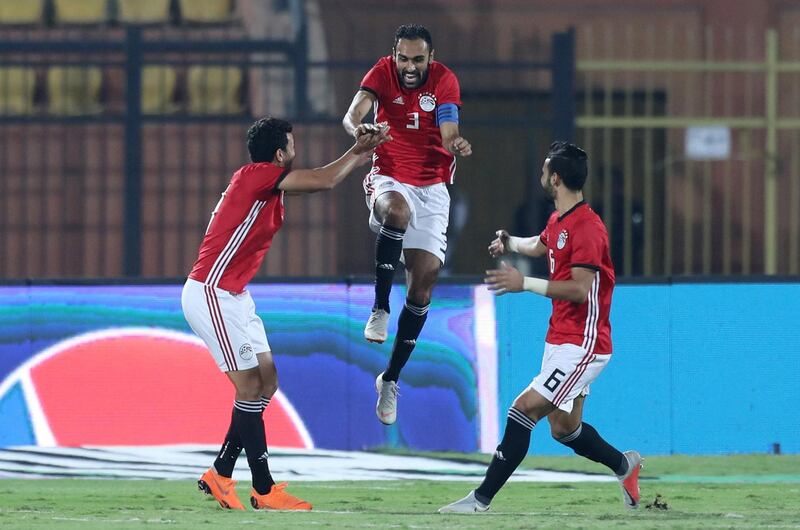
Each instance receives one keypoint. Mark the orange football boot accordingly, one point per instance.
(277, 499)
(629, 482)
(221, 488)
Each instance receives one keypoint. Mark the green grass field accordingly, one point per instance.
(749, 491)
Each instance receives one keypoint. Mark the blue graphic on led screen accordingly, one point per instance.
(325, 367)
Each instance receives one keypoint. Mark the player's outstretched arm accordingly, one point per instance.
(508, 279)
(452, 139)
(359, 107)
(326, 177)
(528, 246)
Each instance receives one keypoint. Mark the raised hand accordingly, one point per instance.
(504, 280)
(499, 245)
(370, 128)
(370, 135)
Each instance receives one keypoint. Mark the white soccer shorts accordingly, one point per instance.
(567, 371)
(227, 323)
(430, 213)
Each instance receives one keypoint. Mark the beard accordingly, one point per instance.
(419, 79)
(549, 191)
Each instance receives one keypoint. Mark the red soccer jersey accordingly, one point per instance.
(579, 239)
(242, 225)
(416, 155)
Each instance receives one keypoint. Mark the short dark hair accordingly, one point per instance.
(570, 162)
(412, 32)
(265, 137)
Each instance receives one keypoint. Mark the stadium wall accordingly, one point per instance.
(697, 368)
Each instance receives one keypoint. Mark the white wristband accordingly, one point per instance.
(535, 285)
(513, 243)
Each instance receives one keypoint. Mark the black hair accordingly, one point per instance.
(570, 162)
(265, 137)
(412, 32)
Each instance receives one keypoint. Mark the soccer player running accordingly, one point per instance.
(221, 311)
(406, 189)
(578, 343)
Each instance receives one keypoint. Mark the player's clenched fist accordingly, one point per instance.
(460, 146)
(499, 245)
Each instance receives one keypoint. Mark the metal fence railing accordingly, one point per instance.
(113, 159)
(77, 162)
(695, 138)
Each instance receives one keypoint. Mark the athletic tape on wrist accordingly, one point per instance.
(513, 243)
(535, 285)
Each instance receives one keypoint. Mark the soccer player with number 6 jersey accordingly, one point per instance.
(578, 342)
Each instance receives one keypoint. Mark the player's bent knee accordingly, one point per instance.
(248, 388)
(533, 404)
(397, 217)
(523, 406)
(565, 431)
(391, 209)
(420, 289)
(559, 434)
(268, 389)
(419, 298)
(248, 393)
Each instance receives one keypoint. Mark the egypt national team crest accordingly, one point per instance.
(562, 240)
(246, 351)
(427, 102)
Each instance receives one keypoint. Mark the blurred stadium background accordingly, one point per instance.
(121, 122)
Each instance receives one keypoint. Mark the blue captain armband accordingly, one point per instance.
(446, 112)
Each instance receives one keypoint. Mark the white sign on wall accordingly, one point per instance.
(708, 142)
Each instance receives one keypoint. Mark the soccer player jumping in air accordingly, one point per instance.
(219, 309)
(578, 343)
(405, 190)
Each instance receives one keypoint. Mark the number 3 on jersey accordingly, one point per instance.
(413, 118)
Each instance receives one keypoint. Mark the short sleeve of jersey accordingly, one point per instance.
(375, 80)
(448, 89)
(543, 236)
(587, 247)
(265, 178)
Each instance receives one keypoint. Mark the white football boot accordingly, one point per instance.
(377, 326)
(386, 407)
(468, 504)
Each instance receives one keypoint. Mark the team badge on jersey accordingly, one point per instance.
(427, 102)
(562, 240)
(246, 351)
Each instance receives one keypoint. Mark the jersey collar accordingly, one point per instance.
(577, 205)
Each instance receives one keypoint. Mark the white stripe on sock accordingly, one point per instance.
(392, 234)
(522, 419)
(248, 406)
(417, 310)
(568, 438)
